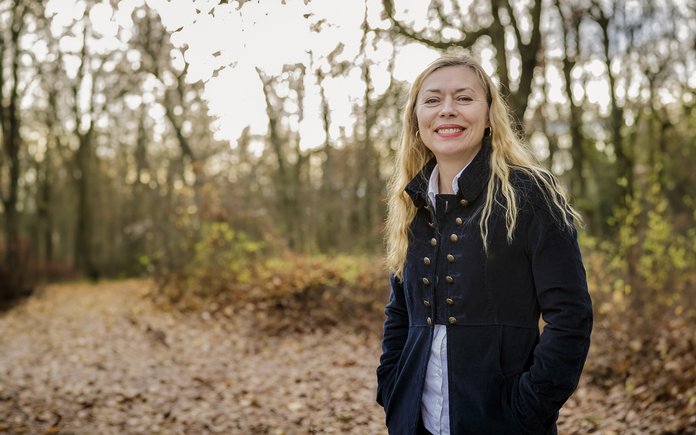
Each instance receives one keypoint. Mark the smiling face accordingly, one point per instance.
(452, 113)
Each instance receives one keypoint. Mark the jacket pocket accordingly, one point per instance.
(385, 385)
(528, 424)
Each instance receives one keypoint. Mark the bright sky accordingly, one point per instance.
(270, 33)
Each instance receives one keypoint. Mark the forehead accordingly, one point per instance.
(450, 78)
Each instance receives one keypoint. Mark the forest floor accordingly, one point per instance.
(103, 359)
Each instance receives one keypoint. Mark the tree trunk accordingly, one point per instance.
(84, 231)
(12, 142)
(578, 185)
(284, 185)
(83, 255)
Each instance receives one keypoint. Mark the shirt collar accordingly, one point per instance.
(470, 181)
(434, 183)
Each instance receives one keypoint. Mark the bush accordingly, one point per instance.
(223, 271)
(218, 257)
(648, 264)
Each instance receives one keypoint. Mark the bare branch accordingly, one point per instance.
(468, 40)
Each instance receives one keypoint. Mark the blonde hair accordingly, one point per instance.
(507, 151)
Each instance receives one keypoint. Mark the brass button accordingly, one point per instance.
(426, 207)
(433, 241)
(464, 202)
(426, 302)
(449, 301)
(458, 221)
(452, 320)
(426, 260)
(430, 321)
(430, 224)
(449, 279)
(450, 258)
(454, 237)
(426, 281)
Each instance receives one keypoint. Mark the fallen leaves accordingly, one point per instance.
(84, 359)
(637, 380)
(106, 360)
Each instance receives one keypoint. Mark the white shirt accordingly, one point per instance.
(435, 400)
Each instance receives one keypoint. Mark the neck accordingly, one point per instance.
(448, 170)
(450, 167)
(447, 173)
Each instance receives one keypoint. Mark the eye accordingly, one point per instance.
(430, 100)
(464, 99)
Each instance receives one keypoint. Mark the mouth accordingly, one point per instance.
(449, 130)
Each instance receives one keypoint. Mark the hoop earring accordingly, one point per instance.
(487, 132)
(418, 135)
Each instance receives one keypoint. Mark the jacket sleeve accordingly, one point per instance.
(564, 301)
(395, 333)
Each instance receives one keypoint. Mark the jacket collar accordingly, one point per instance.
(471, 182)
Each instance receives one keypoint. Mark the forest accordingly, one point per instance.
(193, 202)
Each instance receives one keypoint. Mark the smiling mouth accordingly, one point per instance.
(449, 130)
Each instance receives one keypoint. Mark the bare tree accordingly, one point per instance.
(11, 89)
(152, 40)
(571, 17)
(289, 158)
(502, 22)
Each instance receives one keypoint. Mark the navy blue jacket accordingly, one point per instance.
(504, 377)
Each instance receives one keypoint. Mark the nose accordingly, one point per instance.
(447, 108)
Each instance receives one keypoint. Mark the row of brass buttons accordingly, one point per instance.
(449, 301)
(426, 260)
(448, 278)
(458, 221)
(453, 237)
(452, 321)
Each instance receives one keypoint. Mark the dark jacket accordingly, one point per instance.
(504, 377)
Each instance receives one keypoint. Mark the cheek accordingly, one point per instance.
(420, 123)
(485, 119)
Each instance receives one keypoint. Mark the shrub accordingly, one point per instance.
(207, 263)
(227, 273)
(648, 264)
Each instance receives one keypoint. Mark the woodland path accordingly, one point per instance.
(79, 358)
(85, 359)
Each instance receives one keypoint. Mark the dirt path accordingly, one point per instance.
(89, 359)
(102, 359)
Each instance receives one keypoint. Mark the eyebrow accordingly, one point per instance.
(437, 91)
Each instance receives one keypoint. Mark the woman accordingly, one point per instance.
(481, 241)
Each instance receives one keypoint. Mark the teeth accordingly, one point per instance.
(449, 130)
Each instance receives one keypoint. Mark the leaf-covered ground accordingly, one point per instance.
(86, 359)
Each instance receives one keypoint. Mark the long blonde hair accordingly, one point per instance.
(508, 151)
